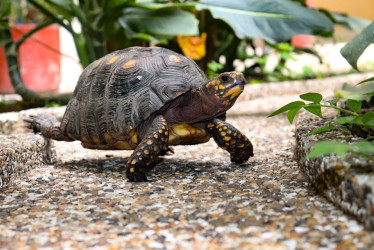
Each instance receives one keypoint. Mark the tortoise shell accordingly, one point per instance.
(116, 93)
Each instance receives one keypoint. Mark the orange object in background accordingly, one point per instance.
(38, 58)
(193, 46)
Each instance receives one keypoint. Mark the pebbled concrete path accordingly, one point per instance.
(195, 198)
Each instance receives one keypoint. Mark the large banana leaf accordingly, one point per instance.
(153, 25)
(354, 49)
(273, 20)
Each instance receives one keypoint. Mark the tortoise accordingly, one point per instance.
(147, 99)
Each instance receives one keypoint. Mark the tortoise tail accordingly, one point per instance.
(47, 125)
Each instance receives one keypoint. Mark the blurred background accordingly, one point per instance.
(273, 40)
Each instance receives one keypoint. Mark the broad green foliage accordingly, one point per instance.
(155, 25)
(340, 149)
(354, 49)
(273, 20)
(351, 23)
(365, 121)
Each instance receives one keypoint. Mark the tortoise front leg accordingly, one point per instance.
(154, 142)
(230, 139)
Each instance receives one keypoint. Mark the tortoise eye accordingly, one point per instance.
(225, 78)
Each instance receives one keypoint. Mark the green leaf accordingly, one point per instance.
(315, 109)
(334, 101)
(368, 117)
(161, 23)
(345, 120)
(322, 129)
(355, 92)
(351, 23)
(273, 20)
(328, 147)
(363, 148)
(354, 105)
(354, 49)
(289, 106)
(367, 80)
(5, 7)
(292, 113)
(313, 97)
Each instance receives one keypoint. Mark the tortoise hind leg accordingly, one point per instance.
(47, 125)
(230, 139)
(152, 144)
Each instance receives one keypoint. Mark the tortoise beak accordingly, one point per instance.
(239, 81)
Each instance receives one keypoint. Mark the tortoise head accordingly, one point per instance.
(225, 88)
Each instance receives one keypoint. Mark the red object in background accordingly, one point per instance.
(304, 41)
(38, 58)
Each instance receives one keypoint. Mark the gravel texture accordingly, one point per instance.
(195, 199)
(348, 183)
(19, 154)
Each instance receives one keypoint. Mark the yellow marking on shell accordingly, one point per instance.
(233, 92)
(98, 62)
(223, 133)
(186, 134)
(155, 148)
(138, 153)
(112, 60)
(134, 136)
(95, 139)
(241, 146)
(146, 152)
(175, 58)
(133, 162)
(122, 145)
(229, 132)
(224, 127)
(132, 170)
(72, 136)
(108, 138)
(155, 136)
(84, 139)
(166, 133)
(235, 134)
(129, 64)
(227, 138)
(160, 131)
(210, 125)
(149, 142)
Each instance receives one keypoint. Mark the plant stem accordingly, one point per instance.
(334, 107)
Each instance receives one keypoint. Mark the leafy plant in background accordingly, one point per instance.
(98, 27)
(357, 115)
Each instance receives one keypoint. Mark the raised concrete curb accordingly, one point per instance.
(20, 153)
(349, 184)
(21, 150)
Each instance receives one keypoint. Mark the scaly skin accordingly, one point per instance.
(230, 139)
(153, 144)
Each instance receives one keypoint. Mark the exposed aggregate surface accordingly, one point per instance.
(348, 182)
(195, 199)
